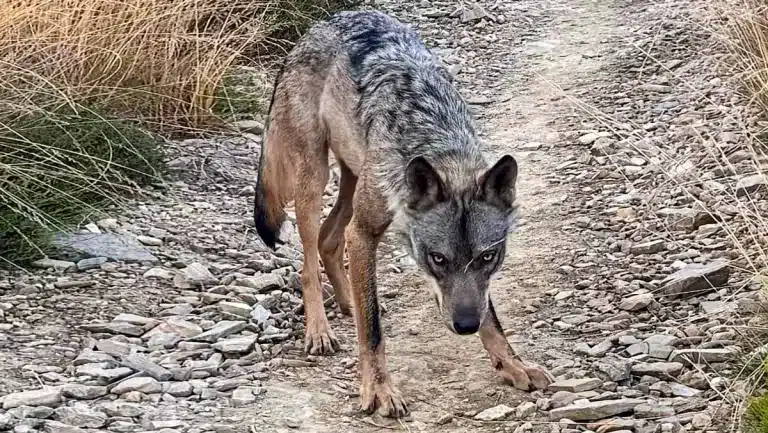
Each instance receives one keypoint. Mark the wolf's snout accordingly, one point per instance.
(466, 324)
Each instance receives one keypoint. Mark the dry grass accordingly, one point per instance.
(160, 60)
(743, 27)
(746, 30)
(81, 79)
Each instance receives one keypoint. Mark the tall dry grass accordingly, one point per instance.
(81, 81)
(160, 60)
(743, 27)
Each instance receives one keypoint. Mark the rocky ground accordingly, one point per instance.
(630, 277)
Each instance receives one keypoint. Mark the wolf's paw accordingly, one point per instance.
(319, 339)
(540, 377)
(522, 376)
(382, 398)
(345, 305)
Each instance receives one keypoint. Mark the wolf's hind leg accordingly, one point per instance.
(311, 178)
(332, 239)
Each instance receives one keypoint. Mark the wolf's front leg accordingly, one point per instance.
(504, 359)
(376, 390)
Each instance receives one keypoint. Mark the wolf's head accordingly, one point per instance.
(457, 232)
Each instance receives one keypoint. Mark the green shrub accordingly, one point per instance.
(57, 167)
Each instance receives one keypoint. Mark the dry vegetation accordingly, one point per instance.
(743, 25)
(69, 69)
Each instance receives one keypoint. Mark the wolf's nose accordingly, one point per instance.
(466, 325)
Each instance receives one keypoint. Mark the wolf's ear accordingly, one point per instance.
(425, 188)
(497, 185)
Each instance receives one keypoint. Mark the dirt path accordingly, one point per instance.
(445, 375)
(581, 290)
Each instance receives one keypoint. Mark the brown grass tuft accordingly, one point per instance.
(158, 60)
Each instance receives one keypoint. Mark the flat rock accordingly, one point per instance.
(576, 385)
(594, 410)
(81, 416)
(146, 385)
(240, 309)
(83, 392)
(638, 349)
(183, 327)
(103, 376)
(163, 340)
(166, 424)
(243, 396)
(662, 370)
(495, 413)
(714, 307)
(93, 357)
(143, 364)
(525, 410)
(662, 339)
(260, 315)
(599, 350)
(236, 345)
(473, 13)
(122, 409)
(115, 247)
(660, 351)
(66, 283)
(695, 279)
(121, 328)
(92, 263)
(589, 138)
(179, 389)
(751, 184)
(160, 273)
(135, 319)
(112, 346)
(247, 125)
(221, 330)
(636, 302)
(651, 247)
(195, 275)
(686, 219)
(25, 412)
(701, 421)
(60, 427)
(703, 356)
(563, 398)
(680, 390)
(649, 410)
(225, 385)
(58, 265)
(150, 241)
(617, 369)
(262, 283)
(50, 397)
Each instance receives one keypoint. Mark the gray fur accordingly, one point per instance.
(376, 74)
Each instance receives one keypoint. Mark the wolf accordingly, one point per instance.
(364, 86)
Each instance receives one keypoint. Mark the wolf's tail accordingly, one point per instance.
(274, 186)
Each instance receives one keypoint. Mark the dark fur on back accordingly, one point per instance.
(408, 103)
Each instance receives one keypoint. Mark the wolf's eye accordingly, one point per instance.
(487, 257)
(437, 258)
